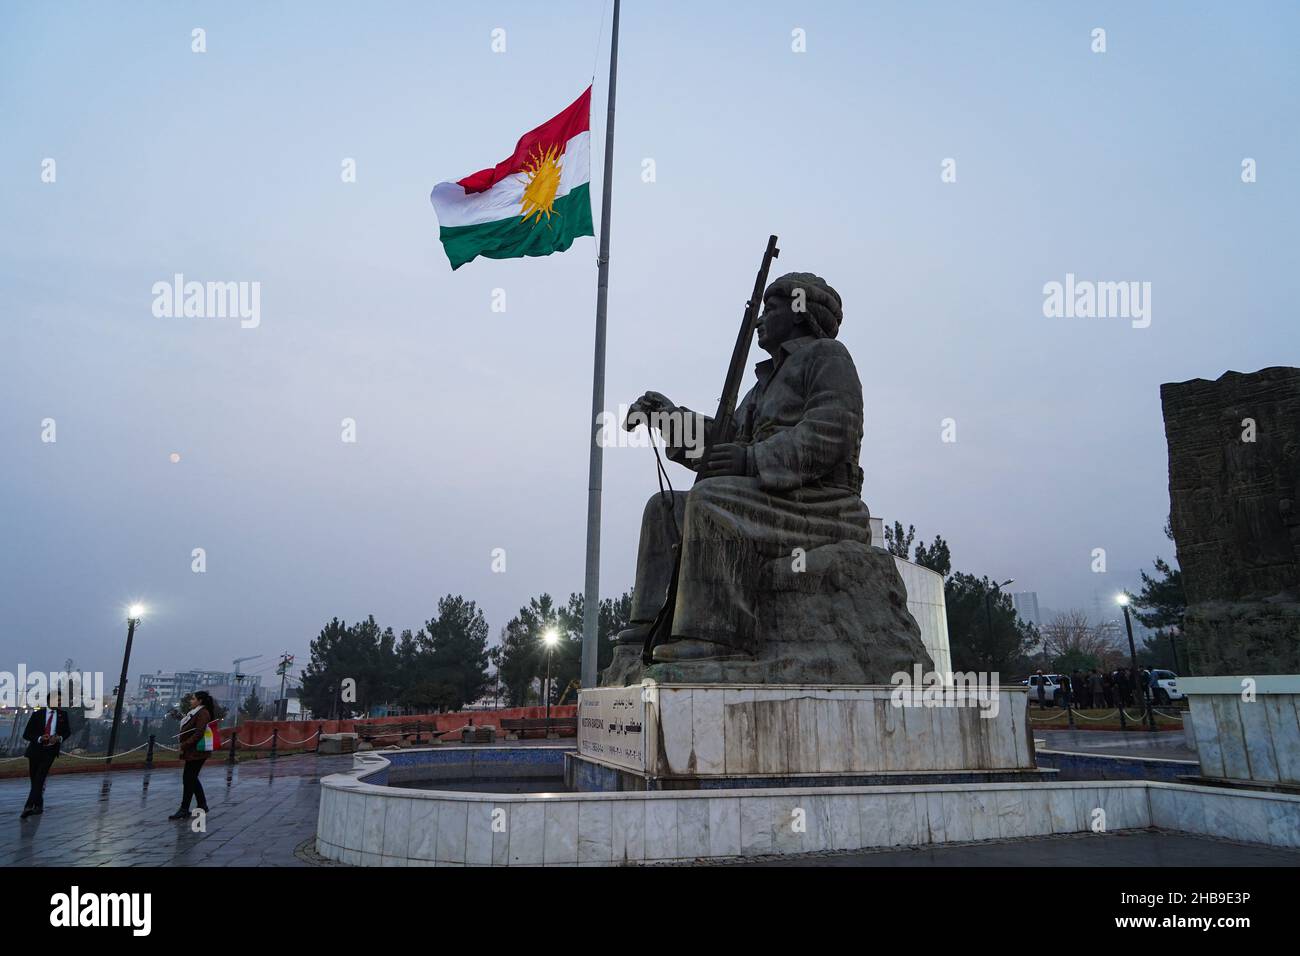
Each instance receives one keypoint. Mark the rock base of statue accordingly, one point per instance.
(658, 736)
(833, 615)
(1234, 471)
(1244, 637)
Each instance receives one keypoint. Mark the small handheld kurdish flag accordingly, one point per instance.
(210, 742)
(533, 203)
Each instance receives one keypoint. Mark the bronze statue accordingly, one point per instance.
(767, 561)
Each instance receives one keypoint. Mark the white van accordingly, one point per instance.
(1166, 687)
(1054, 693)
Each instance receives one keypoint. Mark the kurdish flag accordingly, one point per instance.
(533, 203)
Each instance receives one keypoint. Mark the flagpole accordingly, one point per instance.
(591, 599)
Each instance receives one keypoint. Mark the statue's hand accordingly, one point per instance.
(648, 404)
(655, 402)
(727, 458)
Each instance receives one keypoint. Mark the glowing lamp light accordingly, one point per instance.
(551, 638)
(135, 612)
(1122, 600)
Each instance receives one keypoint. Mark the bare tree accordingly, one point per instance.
(1070, 641)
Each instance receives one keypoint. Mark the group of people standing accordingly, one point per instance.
(49, 727)
(1096, 689)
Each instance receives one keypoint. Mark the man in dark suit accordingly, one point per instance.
(46, 730)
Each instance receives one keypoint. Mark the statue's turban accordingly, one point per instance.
(820, 303)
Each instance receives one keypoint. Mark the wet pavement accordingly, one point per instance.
(261, 811)
(1165, 744)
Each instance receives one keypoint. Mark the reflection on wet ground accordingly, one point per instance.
(260, 812)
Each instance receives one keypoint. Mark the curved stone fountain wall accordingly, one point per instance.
(362, 822)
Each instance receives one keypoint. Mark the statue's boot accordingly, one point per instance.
(634, 633)
(691, 649)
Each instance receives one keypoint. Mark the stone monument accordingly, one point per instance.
(763, 572)
(767, 635)
(1234, 499)
(1234, 495)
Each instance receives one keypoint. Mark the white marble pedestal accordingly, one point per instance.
(709, 733)
(1247, 729)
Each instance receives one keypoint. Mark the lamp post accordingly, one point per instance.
(1137, 674)
(550, 639)
(286, 661)
(239, 700)
(988, 606)
(133, 615)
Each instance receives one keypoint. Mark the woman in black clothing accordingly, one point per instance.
(193, 725)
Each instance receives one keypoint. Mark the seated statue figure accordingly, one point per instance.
(776, 579)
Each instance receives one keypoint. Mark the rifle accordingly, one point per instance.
(720, 431)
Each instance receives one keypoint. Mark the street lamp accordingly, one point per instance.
(988, 606)
(550, 639)
(239, 700)
(133, 615)
(1123, 601)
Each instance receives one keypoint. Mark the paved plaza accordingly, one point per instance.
(262, 810)
(1164, 745)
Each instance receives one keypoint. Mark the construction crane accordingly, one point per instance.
(239, 679)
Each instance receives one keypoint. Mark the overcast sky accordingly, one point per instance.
(472, 425)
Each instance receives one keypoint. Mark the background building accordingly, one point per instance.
(156, 694)
(1026, 605)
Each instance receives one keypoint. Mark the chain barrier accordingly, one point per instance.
(65, 753)
(162, 746)
(1141, 716)
(295, 743)
(1113, 713)
(120, 753)
(1082, 716)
